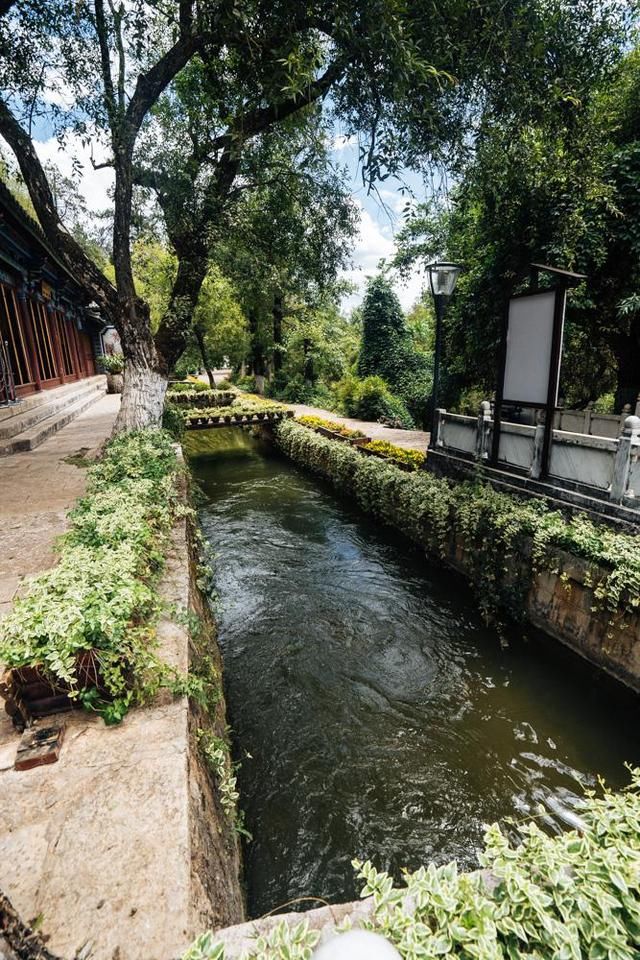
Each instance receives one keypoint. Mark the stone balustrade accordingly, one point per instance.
(604, 467)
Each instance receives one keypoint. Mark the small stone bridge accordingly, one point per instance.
(207, 422)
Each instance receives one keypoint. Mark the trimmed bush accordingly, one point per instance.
(202, 398)
(188, 386)
(410, 458)
(370, 399)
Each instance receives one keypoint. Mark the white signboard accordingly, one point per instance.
(529, 344)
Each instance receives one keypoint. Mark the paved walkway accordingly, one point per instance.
(413, 439)
(36, 490)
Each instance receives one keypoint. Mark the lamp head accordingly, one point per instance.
(443, 278)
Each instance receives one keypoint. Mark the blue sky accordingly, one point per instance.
(381, 216)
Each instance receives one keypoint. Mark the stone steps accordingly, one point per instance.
(27, 428)
(43, 397)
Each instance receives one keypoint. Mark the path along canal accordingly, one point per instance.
(373, 713)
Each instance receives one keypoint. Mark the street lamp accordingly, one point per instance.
(442, 278)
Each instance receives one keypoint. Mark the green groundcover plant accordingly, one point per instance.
(100, 598)
(506, 538)
(571, 896)
(201, 398)
(188, 386)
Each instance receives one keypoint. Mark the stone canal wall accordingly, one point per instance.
(562, 601)
(120, 850)
(565, 598)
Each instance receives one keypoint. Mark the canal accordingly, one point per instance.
(373, 713)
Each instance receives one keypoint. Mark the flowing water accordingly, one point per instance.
(373, 713)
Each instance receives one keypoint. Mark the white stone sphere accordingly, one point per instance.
(356, 945)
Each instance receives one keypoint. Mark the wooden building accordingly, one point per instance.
(50, 334)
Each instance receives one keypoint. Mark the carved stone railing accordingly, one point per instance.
(601, 466)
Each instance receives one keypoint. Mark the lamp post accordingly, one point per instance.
(442, 278)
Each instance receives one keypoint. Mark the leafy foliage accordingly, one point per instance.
(384, 334)
(216, 752)
(553, 178)
(202, 398)
(388, 349)
(412, 458)
(315, 422)
(111, 363)
(100, 598)
(506, 539)
(371, 399)
(187, 386)
(569, 896)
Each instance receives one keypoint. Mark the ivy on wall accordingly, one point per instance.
(506, 539)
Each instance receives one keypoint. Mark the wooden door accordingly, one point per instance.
(86, 355)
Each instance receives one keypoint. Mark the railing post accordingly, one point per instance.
(436, 440)
(630, 438)
(626, 411)
(482, 431)
(638, 405)
(538, 447)
(588, 412)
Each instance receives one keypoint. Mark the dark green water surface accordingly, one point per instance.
(382, 719)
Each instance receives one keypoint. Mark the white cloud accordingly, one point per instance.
(375, 243)
(342, 142)
(93, 185)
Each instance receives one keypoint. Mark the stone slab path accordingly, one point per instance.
(412, 439)
(36, 490)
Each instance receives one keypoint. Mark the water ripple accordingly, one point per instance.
(384, 720)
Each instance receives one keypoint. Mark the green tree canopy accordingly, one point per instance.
(559, 186)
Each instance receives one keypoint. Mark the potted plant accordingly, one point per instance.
(113, 366)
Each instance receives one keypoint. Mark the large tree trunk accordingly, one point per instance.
(146, 373)
(202, 347)
(142, 397)
(278, 316)
(149, 360)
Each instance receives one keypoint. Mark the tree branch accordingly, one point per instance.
(105, 59)
(151, 85)
(255, 121)
(117, 23)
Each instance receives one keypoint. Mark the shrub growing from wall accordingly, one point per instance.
(503, 535)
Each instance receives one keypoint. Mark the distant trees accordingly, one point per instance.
(388, 349)
(289, 235)
(384, 333)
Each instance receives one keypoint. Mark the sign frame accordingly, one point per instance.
(562, 280)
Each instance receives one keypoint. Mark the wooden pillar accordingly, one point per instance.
(54, 330)
(30, 335)
(76, 349)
